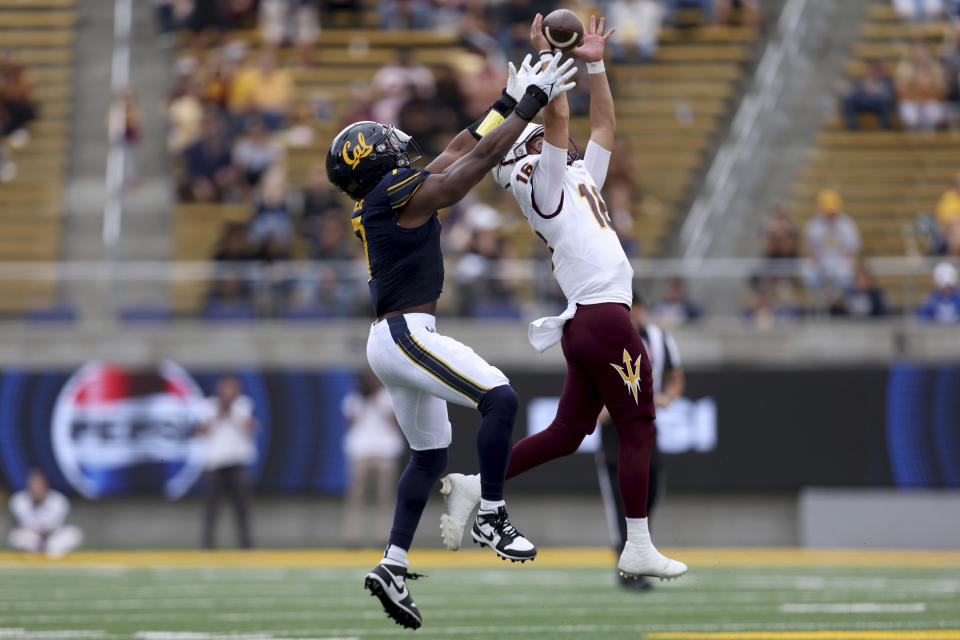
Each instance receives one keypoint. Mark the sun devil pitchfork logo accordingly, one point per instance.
(631, 376)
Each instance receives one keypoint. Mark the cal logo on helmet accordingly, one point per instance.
(360, 150)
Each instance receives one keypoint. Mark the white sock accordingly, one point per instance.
(491, 505)
(638, 531)
(396, 555)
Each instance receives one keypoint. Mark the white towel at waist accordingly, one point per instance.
(546, 332)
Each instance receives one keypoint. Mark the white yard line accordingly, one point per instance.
(854, 607)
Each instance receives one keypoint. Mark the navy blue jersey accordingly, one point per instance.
(405, 265)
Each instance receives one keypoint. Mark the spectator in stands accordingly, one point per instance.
(255, 153)
(942, 306)
(272, 211)
(921, 89)
(483, 292)
(638, 25)
(706, 8)
(185, 117)
(749, 12)
(329, 239)
(951, 62)
(398, 82)
(952, 241)
(405, 14)
(18, 106)
(373, 444)
(865, 299)
(40, 514)
(948, 207)
(228, 427)
(479, 84)
(676, 308)
(779, 235)
(832, 246)
(207, 15)
(295, 21)
(772, 301)
(873, 93)
(919, 10)
(210, 175)
(265, 90)
(233, 254)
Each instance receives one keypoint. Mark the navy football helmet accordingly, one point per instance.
(366, 151)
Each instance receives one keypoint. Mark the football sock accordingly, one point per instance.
(498, 406)
(416, 483)
(396, 555)
(633, 466)
(638, 531)
(555, 441)
(491, 505)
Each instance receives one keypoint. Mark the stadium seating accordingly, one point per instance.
(885, 177)
(41, 32)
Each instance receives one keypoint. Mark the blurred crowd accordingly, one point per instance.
(835, 280)
(242, 131)
(18, 108)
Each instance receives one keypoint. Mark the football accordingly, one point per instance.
(563, 29)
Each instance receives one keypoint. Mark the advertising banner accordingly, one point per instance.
(105, 430)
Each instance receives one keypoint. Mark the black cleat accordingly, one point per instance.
(388, 582)
(493, 529)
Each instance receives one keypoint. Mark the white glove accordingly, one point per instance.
(517, 81)
(554, 78)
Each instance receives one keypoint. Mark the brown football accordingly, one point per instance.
(563, 29)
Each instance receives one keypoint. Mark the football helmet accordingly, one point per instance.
(363, 152)
(503, 170)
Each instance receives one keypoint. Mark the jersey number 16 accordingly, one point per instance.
(599, 208)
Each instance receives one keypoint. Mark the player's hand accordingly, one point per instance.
(517, 81)
(662, 400)
(537, 38)
(554, 77)
(593, 41)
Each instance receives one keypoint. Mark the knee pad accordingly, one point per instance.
(430, 462)
(502, 399)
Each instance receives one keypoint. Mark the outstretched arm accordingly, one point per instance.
(467, 139)
(603, 122)
(547, 179)
(441, 190)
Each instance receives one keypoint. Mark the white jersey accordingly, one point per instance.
(588, 261)
(47, 516)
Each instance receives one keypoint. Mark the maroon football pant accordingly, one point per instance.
(606, 366)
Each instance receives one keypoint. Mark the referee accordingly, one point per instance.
(668, 385)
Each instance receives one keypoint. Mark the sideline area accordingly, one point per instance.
(558, 558)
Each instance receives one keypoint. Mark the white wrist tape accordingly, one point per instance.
(596, 67)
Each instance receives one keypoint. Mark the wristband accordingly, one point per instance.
(545, 52)
(595, 67)
(494, 116)
(530, 104)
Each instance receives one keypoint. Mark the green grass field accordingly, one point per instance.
(268, 597)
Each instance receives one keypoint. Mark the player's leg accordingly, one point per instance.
(454, 372)
(237, 490)
(423, 420)
(27, 540)
(602, 338)
(211, 506)
(63, 541)
(576, 418)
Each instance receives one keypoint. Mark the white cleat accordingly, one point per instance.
(644, 560)
(461, 495)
